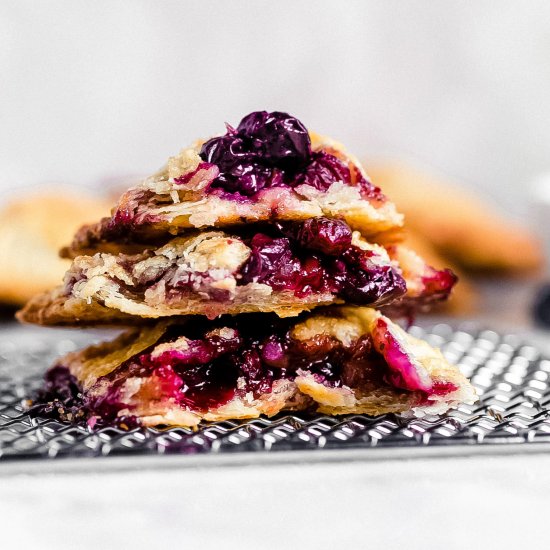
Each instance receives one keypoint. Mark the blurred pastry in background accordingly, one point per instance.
(33, 227)
(458, 224)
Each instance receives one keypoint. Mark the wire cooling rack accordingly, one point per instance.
(512, 379)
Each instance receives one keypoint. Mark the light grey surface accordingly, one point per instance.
(422, 504)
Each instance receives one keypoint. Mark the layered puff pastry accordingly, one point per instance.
(269, 168)
(345, 360)
(285, 268)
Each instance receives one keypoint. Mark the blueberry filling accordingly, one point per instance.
(438, 284)
(436, 287)
(316, 256)
(61, 398)
(274, 149)
(404, 372)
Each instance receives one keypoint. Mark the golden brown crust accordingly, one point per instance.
(88, 240)
(53, 308)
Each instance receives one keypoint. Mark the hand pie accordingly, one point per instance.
(460, 225)
(347, 360)
(284, 268)
(268, 168)
(33, 227)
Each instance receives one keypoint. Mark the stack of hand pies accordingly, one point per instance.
(258, 272)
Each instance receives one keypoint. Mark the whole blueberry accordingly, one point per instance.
(283, 140)
(256, 154)
(268, 257)
(324, 170)
(332, 237)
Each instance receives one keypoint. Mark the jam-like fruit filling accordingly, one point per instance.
(405, 372)
(203, 365)
(274, 149)
(62, 398)
(316, 256)
(436, 287)
(438, 283)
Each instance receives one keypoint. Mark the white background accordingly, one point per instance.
(94, 91)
